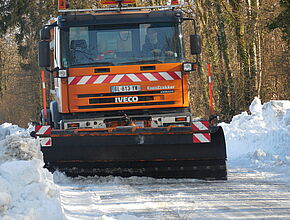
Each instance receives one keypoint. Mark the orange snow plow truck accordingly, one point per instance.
(120, 83)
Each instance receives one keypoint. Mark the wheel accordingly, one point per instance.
(55, 115)
(48, 119)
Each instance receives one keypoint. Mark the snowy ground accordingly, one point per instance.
(258, 185)
(246, 195)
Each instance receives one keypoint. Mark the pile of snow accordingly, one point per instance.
(16, 144)
(27, 190)
(260, 139)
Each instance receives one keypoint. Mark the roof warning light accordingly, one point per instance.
(62, 4)
(112, 2)
(174, 2)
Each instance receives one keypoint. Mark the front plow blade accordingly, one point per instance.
(154, 152)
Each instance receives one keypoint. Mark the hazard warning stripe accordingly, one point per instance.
(116, 78)
(45, 142)
(200, 125)
(41, 130)
(201, 138)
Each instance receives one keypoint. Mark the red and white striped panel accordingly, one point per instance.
(201, 138)
(200, 125)
(117, 78)
(45, 142)
(42, 130)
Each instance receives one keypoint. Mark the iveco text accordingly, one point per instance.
(126, 99)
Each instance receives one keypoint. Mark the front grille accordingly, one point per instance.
(130, 104)
(112, 100)
(125, 93)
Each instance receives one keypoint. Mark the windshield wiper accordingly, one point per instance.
(143, 62)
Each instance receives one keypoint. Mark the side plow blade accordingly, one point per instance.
(154, 152)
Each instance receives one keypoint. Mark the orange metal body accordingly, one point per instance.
(71, 101)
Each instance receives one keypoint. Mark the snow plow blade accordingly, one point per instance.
(153, 152)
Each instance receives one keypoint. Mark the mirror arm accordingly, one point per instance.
(194, 23)
(194, 26)
(51, 71)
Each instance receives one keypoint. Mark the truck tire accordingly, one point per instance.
(55, 115)
(42, 118)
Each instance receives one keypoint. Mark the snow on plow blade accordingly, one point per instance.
(153, 152)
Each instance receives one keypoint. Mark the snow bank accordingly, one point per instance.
(16, 144)
(260, 139)
(27, 190)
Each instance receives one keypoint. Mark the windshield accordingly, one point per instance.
(115, 45)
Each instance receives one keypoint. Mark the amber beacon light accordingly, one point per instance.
(104, 2)
(174, 2)
(62, 4)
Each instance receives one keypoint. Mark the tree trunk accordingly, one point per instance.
(227, 94)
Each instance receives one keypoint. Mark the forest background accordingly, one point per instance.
(245, 41)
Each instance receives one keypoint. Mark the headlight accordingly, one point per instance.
(62, 73)
(187, 67)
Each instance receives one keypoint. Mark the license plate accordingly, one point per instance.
(130, 88)
(139, 124)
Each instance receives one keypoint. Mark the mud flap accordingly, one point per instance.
(151, 152)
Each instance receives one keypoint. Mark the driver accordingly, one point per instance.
(152, 47)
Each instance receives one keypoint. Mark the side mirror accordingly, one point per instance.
(195, 44)
(43, 54)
